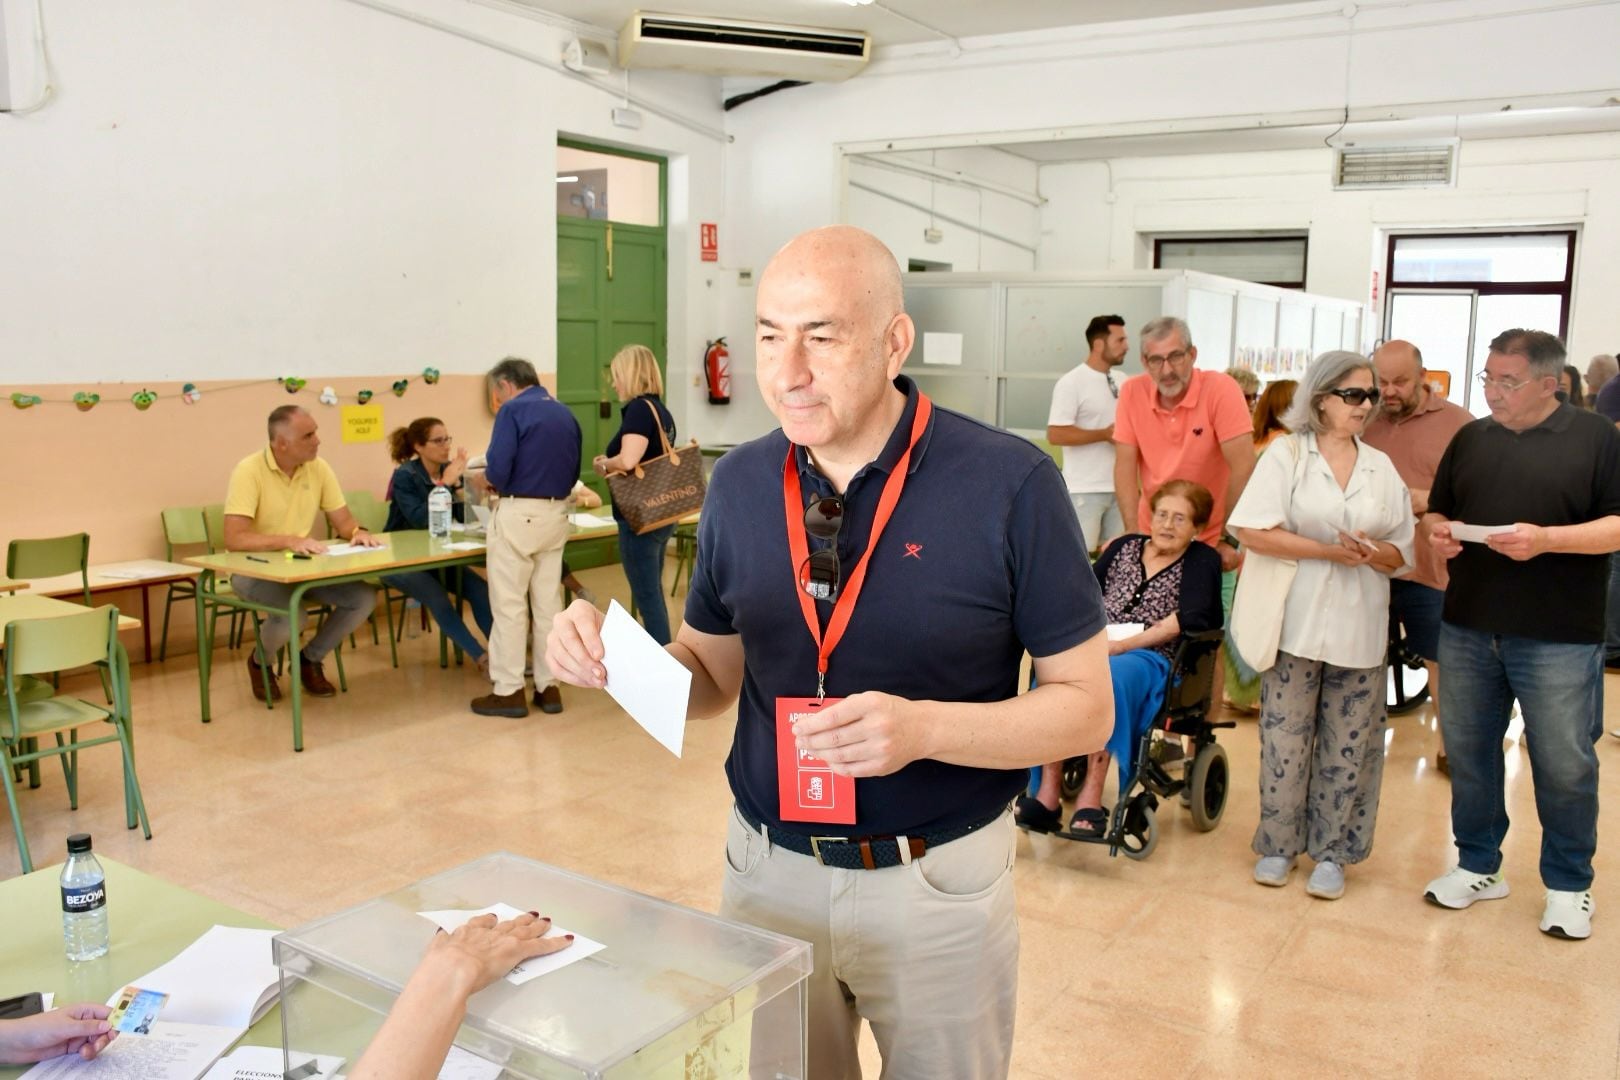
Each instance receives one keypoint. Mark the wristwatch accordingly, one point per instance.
(1230, 540)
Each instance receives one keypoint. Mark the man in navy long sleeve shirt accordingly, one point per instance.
(532, 464)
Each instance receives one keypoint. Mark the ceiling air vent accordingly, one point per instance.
(1408, 165)
(734, 47)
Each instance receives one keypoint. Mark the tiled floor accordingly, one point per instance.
(1175, 966)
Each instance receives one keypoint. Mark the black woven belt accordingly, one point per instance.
(863, 852)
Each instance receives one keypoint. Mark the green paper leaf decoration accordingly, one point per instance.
(143, 399)
(24, 401)
(430, 375)
(293, 385)
(84, 402)
(399, 387)
(363, 396)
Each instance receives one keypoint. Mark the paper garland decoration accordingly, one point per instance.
(85, 402)
(328, 396)
(23, 401)
(189, 393)
(143, 399)
(363, 396)
(293, 385)
(430, 375)
(399, 387)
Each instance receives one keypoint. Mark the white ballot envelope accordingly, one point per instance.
(648, 683)
(1476, 534)
(453, 918)
(1119, 631)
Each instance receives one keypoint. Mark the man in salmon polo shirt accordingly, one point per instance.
(1176, 422)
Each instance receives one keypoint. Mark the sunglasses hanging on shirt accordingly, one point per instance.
(819, 575)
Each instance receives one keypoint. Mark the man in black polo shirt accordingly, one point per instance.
(1524, 619)
(933, 553)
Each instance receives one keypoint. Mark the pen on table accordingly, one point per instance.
(255, 558)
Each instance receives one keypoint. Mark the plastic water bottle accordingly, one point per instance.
(439, 512)
(84, 901)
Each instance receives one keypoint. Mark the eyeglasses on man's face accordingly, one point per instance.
(1501, 386)
(1175, 359)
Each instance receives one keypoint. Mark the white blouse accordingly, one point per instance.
(1334, 613)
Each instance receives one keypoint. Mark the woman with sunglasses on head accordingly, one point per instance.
(640, 387)
(422, 451)
(1168, 583)
(1337, 508)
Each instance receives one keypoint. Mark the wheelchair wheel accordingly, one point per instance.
(1074, 776)
(1208, 787)
(1407, 678)
(1139, 833)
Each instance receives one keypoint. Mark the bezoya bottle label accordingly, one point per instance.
(83, 898)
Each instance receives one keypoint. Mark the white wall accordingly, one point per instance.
(1403, 59)
(241, 189)
(1548, 180)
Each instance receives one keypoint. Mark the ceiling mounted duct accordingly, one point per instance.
(1405, 165)
(733, 47)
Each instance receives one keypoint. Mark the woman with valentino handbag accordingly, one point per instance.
(1326, 520)
(643, 422)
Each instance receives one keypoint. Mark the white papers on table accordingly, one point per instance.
(460, 1065)
(265, 1063)
(1476, 534)
(1119, 631)
(135, 571)
(465, 545)
(226, 978)
(584, 519)
(533, 968)
(348, 549)
(172, 1052)
(648, 683)
(942, 349)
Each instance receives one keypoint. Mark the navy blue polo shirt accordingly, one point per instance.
(982, 560)
(534, 449)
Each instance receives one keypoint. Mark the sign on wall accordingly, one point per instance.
(362, 423)
(709, 240)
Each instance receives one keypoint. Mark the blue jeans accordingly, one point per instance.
(424, 587)
(1611, 634)
(1560, 688)
(643, 558)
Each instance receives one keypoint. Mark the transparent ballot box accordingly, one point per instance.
(675, 994)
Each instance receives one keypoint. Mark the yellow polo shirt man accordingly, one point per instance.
(272, 504)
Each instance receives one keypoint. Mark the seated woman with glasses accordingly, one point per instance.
(1166, 584)
(422, 452)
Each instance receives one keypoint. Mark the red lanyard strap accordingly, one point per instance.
(799, 544)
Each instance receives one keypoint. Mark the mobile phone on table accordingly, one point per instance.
(15, 1008)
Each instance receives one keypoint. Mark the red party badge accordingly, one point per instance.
(808, 789)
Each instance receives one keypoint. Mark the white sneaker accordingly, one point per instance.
(1273, 870)
(1460, 887)
(1327, 881)
(1568, 915)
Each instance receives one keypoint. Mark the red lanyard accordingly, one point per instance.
(799, 545)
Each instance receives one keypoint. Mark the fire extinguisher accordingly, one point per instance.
(717, 366)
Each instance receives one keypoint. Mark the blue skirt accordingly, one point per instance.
(1139, 679)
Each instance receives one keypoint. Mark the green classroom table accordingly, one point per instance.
(150, 921)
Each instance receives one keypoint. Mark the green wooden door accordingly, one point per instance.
(612, 284)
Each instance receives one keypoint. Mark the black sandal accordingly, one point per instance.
(1089, 821)
(1033, 816)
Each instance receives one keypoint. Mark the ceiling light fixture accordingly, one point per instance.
(567, 179)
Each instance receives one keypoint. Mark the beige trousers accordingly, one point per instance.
(526, 538)
(927, 953)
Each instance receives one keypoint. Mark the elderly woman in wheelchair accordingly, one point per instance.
(1157, 588)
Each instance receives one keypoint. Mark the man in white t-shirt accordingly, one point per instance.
(1082, 422)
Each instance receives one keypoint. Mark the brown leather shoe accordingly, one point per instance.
(258, 677)
(549, 700)
(512, 705)
(314, 677)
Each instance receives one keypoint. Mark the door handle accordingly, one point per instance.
(610, 252)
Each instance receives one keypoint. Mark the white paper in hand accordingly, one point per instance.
(1119, 631)
(648, 683)
(1476, 534)
(452, 919)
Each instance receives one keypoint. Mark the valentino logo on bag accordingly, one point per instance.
(913, 552)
